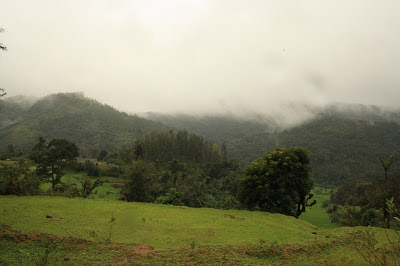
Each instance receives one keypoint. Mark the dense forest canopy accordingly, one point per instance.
(344, 149)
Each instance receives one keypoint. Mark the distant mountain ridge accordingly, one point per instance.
(86, 122)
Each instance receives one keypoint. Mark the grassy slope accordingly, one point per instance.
(317, 215)
(178, 234)
(159, 226)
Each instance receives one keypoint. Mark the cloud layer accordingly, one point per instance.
(154, 55)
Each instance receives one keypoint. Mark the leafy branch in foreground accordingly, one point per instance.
(374, 254)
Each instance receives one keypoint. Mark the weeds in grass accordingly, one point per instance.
(49, 247)
(386, 254)
(112, 221)
(374, 254)
(92, 233)
(192, 245)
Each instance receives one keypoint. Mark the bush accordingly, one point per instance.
(172, 198)
(91, 169)
(64, 190)
(349, 215)
(111, 170)
(18, 179)
(370, 218)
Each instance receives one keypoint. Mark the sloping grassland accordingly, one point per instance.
(82, 231)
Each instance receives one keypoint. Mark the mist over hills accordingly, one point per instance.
(345, 140)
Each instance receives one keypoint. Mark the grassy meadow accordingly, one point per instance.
(98, 231)
(316, 214)
(109, 190)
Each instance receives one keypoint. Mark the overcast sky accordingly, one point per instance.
(159, 55)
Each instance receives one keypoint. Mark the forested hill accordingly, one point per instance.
(343, 149)
(346, 141)
(86, 122)
(13, 109)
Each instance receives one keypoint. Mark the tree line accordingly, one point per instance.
(178, 168)
(367, 203)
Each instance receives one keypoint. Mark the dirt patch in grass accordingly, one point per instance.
(227, 215)
(115, 253)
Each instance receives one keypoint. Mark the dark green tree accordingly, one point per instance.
(280, 182)
(141, 182)
(387, 165)
(102, 155)
(52, 158)
(91, 169)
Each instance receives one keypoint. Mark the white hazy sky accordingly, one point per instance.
(166, 55)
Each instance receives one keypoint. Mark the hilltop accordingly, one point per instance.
(86, 122)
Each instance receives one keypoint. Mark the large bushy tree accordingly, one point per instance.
(52, 158)
(280, 182)
(18, 179)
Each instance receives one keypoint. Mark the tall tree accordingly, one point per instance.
(52, 158)
(141, 182)
(387, 164)
(280, 182)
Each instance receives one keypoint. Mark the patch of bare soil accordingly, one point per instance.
(233, 217)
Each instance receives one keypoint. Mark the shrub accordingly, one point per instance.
(64, 190)
(18, 179)
(172, 198)
(370, 218)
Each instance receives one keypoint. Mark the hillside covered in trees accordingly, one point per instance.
(346, 141)
(92, 126)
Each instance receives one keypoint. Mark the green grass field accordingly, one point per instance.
(81, 231)
(108, 190)
(317, 215)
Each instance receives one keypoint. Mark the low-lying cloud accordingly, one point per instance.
(205, 56)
